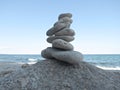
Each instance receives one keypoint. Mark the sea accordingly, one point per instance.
(104, 61)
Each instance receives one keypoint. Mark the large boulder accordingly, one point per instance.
(57, 75)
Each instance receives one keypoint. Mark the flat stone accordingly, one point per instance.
(64, 15)
(59, 26)
(65, 32)
(67, 24)
(71, 57)
(47, 53)
(66, 38)
(62, 44)
(66, 20)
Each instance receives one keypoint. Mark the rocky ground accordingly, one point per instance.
(57, 75)
(7, 68)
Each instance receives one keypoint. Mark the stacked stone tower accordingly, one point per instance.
(59, 36)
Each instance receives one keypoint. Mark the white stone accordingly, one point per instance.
(61, 44)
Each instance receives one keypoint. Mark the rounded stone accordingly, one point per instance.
(67, 24)
(66, 20)
(50, 32)
(59, 26)
(47, 53)
(55, 29)
(61, 44)
(66, 38)
(71, 57)
(65, 32)
(64, 15)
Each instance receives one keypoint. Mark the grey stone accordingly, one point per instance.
(59, 26)
(65, 32)
(67, 25)
(55, 75)
(55, 29)
(47, 53)
(61, 44)
(50, 32)
(71, 57)
(64, 15)
(66, 38)
(66, 20)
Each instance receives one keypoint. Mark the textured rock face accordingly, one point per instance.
(66, 38)
(60, 36)
(62, 44)
(65, 32)
(47, 53)
(65, 15)
(72, 57)
(55, 75)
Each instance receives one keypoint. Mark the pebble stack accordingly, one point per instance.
(60, 36)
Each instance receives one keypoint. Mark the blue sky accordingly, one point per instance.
(23, 25)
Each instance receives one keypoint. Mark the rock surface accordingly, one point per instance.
(64, 15)
(66, 31)
(71, 57)
(62, 44)
(47, 53)
(56, 75)
(66, 38)
(66, 20)
(56, 28)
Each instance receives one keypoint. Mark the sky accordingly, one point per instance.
(24, 23)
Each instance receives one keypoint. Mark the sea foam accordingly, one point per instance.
(109, 68)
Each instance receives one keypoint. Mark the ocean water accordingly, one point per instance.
(104, 61)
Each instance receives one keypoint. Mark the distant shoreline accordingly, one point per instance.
(40, 54)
